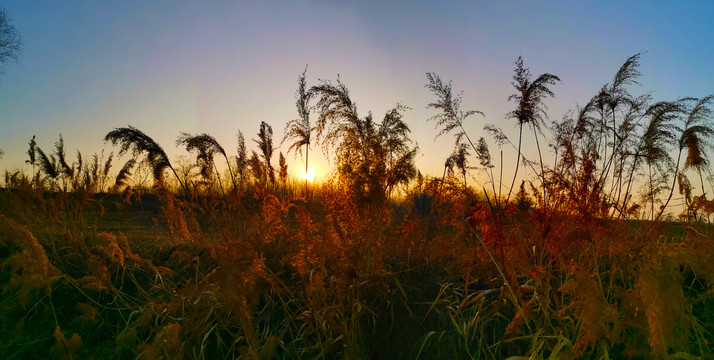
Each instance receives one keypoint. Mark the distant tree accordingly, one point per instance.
(530, 109)
(132, 138)
(10, 43)
(299, 130)
(265, 144)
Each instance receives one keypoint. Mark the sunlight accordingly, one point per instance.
(309, 175)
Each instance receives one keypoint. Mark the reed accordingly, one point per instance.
(379, 261)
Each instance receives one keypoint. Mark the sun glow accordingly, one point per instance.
(309, 175)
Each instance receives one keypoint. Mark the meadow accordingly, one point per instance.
(229, 257)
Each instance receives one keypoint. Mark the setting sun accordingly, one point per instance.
(309, 175)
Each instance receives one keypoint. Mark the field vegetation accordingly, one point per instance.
(223, 255)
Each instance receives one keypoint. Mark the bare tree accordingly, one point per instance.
(10, 43)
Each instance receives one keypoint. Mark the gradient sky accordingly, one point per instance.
(223, 66)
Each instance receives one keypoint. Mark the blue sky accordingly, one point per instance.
(223, 66)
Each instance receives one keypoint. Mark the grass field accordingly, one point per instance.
(587, 258)
(97, 277)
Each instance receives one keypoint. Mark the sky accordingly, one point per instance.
(217, 67)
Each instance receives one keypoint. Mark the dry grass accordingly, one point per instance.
(379, 262)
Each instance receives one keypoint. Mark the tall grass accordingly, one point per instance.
(380, 261)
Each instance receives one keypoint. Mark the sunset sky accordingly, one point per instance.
(223, 66)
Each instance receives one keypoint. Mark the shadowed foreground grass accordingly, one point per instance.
(171, 277)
